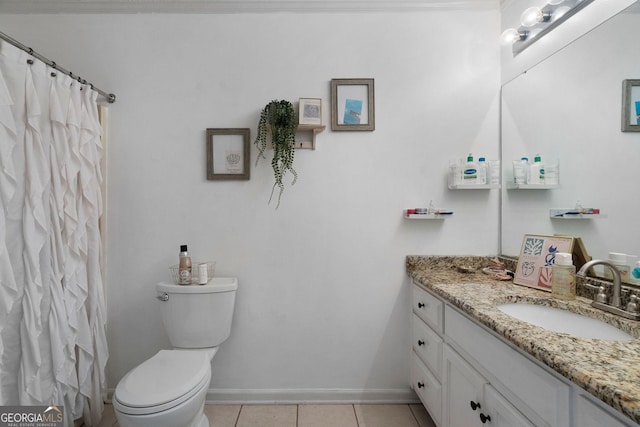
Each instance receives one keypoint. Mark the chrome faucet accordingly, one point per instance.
(617, 282)
(615, 305)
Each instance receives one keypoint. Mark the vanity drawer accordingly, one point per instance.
(428, 346)
(428, 307)
(427, 387)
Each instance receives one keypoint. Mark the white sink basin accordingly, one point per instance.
(558, 320)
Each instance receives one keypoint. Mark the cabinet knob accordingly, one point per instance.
(484, 418)
(474, 405)
(420, 305)
(420, 342)
(420, 385)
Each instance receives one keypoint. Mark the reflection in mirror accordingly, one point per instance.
(589, 17)
(569, 108)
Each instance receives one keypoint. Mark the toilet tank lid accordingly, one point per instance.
(216, 284)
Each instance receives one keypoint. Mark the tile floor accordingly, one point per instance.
(343, 415)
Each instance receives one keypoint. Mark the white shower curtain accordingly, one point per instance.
(53, 348)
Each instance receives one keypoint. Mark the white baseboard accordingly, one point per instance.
(230, 396)
(300, 396)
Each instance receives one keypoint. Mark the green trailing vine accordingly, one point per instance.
(280, 118)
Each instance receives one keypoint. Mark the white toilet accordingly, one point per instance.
(169, 389)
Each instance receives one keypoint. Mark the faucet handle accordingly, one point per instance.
(602, 296)
(632, 306)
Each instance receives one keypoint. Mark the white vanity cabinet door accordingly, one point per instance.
(427, 387)
(588, 414)
(462, 392)
(469, 399)
(429, 308)
(542, 398)
(428, 345)
(502, 413)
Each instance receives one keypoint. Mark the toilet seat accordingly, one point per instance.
(164, 381)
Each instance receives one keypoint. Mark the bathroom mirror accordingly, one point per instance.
(568, 108)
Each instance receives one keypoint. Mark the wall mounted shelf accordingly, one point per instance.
(306, 136)
(437, 215)
(514, 186)
(473, 186)
(571, 214)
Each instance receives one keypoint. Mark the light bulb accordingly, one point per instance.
(531, 16)
(510, 35)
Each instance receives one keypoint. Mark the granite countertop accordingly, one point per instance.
(606, 369)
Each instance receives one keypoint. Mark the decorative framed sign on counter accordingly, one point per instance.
(631, 106)
(228, 154)
(352, 104)
(538, 254)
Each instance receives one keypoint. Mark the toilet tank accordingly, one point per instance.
(198, 316)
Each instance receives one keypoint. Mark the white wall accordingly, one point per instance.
(323, 300)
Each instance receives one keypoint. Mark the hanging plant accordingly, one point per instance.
(279, 118)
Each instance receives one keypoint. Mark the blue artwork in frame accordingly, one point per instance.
(352, 111)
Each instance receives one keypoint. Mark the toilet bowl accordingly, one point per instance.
(169, 389)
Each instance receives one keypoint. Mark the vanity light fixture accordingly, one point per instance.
(534, 15)
(559, 12)
(538, 21)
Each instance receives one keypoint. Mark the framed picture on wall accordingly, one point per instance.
(310, 111)
(228, 154)
(352, 104)
(631, 106)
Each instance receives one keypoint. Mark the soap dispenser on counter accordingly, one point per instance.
(563, 277)
(635, 274)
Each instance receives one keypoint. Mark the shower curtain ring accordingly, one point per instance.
(53, 64)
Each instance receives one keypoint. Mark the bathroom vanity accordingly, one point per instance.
(472, 364)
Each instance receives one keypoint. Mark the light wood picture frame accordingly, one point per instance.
(352, 105)
(228, 153)
(310, 111)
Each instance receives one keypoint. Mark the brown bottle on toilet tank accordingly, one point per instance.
(184, 267)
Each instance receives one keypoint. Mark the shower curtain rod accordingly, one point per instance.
(110, 97)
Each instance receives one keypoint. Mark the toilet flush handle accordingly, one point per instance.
(163, 297)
